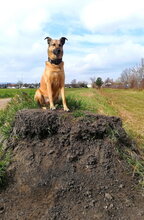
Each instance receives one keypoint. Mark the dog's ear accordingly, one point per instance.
(48, 39)
(62, 40)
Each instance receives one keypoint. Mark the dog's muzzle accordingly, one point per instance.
(56, 51)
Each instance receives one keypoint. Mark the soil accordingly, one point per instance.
(4, 102)
(67, 168)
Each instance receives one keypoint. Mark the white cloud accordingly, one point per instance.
(114, 55)
(18, 17)
(112, 15)
(24, 24)
(109, 38)
(30, 15)
(105, 60)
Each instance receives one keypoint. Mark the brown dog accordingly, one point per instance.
(53, 78)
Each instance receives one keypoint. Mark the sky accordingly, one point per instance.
(104, 37)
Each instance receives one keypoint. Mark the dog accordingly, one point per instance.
(53, 79)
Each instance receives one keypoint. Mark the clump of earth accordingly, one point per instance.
(67, 168)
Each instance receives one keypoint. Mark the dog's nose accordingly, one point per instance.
(56, 51)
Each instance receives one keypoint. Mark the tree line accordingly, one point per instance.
(95, 83)
(130, 78)
(133, 77)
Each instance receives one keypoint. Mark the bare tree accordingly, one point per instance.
(93, 79)
(142, 84)
(82, 84)
(74, 83)
(108, 82)
(125, 76)
(132, 77)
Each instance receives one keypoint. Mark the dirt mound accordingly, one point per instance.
(67, 168)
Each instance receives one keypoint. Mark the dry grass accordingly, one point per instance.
(129, 105)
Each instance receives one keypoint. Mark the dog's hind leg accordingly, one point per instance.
(39, 99)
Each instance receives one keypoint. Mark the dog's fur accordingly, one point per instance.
(53, 78)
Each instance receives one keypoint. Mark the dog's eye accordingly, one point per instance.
(60, 45)
(53, 45)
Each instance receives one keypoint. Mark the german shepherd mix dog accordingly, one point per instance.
(53, 79)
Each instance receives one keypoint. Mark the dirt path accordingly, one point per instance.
(4, 102)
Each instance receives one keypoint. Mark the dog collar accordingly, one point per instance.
(56, 61)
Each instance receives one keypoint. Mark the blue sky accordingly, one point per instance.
(104, 37)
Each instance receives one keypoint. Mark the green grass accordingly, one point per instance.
(4, 162)
(21, 101)
(129, 105)
(9, 93)
(92, 100)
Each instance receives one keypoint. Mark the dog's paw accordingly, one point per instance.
(66, 110)
(44, 108)
(53, 108)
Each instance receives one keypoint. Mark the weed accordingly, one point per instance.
(135, 161)
(78, 113)
(113, 134)
(4, 162)
(75, 103)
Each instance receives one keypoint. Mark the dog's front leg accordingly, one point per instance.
(63, 99)
(49, 90)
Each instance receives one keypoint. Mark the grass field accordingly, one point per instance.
(127, 104)
(9, 93)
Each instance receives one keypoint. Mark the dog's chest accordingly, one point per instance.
(56, 79)
(54, 75)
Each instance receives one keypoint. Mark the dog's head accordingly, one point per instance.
(55, 47)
